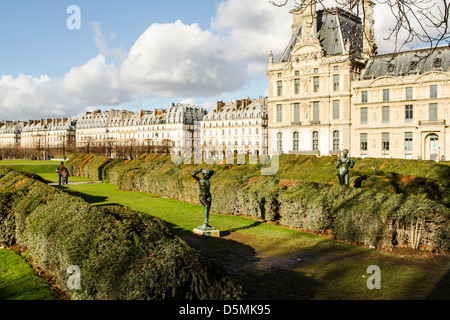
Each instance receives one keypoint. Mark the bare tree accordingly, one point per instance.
(423, 20)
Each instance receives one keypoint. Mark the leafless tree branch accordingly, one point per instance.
(424, 20)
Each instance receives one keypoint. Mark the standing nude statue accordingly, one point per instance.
(343, 164)
(205, 195)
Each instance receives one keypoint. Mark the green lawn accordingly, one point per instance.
(18, 281)
(273, 262)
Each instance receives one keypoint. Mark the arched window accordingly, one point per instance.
(279, 141)
(315, 140)
(335, 140)
(295, 139)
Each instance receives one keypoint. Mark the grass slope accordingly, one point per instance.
(18, 281)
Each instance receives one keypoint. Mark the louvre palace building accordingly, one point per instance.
(330, 91)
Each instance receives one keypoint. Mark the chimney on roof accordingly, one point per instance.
(219, 105)
(369, 46)
(238, 104)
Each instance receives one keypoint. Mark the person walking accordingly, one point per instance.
(60, 170)
(65, 176)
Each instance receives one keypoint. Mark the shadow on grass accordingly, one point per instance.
(93, 200)
(442, 289)
(227, 232)
(241, 262)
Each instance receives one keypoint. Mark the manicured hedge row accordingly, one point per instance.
(121, 253)
(78, 166)
(398, 203)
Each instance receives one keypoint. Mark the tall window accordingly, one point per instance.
(364, 96)
(409, 93)
(316, 111)
(364, 116)
(279, 113)
(363, 139)
(409, 113)
(386, 114)
(434, 142)
(385, 141)
(279, 88)
(335, 140)
(297, 112)
(408, 141)
(316, 84)
(297, 86)
(279, 141)
(433, 111)
(385, 94)
(295, 139)
(433, 91)
(335, 82)
(335, 109)
(315, 140)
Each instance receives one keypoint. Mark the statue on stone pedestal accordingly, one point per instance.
(343, 164)
(205, 195)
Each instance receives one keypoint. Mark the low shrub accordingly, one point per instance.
(122, 253)
(305, 193)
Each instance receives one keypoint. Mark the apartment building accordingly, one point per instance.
(235, 127)
(172, 128)
(10, 133)
(48, 133)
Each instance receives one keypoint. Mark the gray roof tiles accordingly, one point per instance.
(408, 62)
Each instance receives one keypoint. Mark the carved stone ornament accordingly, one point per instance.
(437, 63)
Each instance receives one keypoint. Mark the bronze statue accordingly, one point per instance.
(205, 195)
(343, 164)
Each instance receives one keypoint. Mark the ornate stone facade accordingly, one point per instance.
(330, 91)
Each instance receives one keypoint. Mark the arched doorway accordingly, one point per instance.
(431, 147)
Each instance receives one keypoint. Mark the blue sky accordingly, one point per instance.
(201, 51)
(37, 41)
(138, 54)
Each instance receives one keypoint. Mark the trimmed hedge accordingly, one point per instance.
(78, 166)
(122, 253)
(396, 202)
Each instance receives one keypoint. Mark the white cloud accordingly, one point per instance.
(175, 60)
(252, 29)
(168, 60)
(101, 43)
(209, 105)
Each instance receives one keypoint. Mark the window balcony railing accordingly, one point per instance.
(431, 122)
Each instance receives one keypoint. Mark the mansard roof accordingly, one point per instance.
(238, 109)
(336, 28)
(408, 62)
